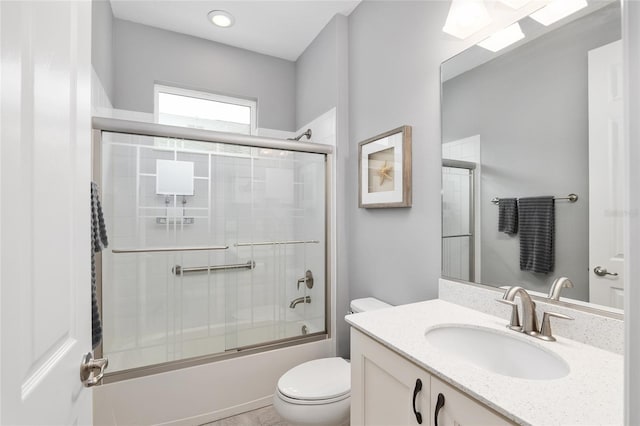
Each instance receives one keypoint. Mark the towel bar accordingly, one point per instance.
(179, 270)
(270, 243)
(163, 249)
(571, 197)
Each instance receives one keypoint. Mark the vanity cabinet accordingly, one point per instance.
(384, 391)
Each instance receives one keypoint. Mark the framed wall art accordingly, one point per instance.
(384, 169)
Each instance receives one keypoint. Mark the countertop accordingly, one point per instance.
(591, 394)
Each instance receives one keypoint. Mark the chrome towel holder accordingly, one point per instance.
(571, 197)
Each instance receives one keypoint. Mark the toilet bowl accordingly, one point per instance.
(318, 392)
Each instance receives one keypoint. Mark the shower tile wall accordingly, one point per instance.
(242, 195)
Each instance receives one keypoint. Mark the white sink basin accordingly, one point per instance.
(498, 352)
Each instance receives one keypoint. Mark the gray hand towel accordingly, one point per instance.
(98, 242)
(536, 216)
(508, 215)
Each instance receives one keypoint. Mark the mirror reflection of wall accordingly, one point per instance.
(529, 107)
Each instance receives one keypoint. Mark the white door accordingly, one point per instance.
(44, 211)
(606, 176)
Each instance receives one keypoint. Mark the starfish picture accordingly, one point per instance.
(385, 173)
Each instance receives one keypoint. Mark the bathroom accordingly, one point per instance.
(374, 66)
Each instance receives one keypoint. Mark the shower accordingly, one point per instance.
(210, 233)
(307, 134)
(458, 219)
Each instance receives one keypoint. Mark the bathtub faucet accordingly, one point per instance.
(294, 302)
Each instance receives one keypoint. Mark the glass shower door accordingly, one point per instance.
(208, 243)
(458, 260)
(281, 227)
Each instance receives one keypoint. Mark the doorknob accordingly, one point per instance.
(601, 272)
(88, 366)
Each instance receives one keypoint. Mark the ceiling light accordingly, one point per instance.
(503, 38)
(466, 17)
(514, 4)
(557, 9)
(221, 18)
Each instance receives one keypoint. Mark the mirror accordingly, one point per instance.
(541, 117)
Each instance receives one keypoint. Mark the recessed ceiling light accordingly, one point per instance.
(558, 9)
(466, 17)
(221, 18)
(503, 38)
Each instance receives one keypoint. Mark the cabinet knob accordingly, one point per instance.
(416, 391)
(439, 405)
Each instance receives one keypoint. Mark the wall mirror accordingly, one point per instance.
(541, 117)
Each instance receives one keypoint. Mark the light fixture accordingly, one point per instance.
(503, 38)
(466, 17)
(557, 9)
(514, 4)
(221, 18)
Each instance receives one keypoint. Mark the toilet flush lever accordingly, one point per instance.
(307, 279)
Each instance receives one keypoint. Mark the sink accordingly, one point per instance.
(498, 352)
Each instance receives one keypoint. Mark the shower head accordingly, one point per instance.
(307, 134)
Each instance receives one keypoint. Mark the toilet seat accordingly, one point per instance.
(321, 381)
(312, 401)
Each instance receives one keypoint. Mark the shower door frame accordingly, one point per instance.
(471, 167)
(138, 128)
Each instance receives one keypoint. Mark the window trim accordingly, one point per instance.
(161, 88)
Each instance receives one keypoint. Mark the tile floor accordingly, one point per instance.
(266, 416)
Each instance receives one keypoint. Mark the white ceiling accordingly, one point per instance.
(277, 28)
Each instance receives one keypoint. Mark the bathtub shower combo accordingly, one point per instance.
(218, 244)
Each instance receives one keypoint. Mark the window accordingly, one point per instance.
(202, 110)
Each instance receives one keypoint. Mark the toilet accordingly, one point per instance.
(318, 392)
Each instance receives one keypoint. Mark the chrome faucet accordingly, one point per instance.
(557, 286)
(529, 318)
(304, 299)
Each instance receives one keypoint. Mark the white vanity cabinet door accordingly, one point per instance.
(382, 392)
(460, 410)
(382, 385)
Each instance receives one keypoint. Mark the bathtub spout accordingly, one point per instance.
(294, 302)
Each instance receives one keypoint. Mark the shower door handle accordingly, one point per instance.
(89, 366)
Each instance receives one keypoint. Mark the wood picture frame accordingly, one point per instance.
(384, 170)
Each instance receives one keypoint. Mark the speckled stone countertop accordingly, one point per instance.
(591, 394)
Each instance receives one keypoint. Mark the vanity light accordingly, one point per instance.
(503, 38)
(514, 4)
(556, 10)
(221, 18)
(466, 17)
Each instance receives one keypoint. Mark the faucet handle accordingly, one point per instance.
(545, 329)
(307, 279)
(514, 324)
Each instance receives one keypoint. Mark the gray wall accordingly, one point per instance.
(395, 51)
(317, 73)
(321, 84)
(101, 43)
(144, 55)
(529, 107)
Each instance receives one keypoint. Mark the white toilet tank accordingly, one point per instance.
(367, 304)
